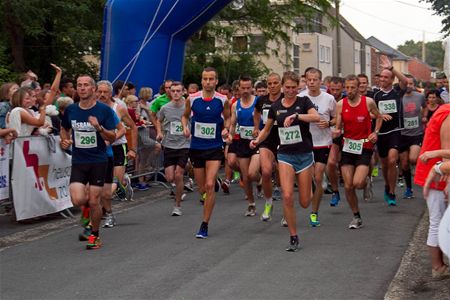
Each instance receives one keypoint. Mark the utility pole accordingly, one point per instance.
(424, 54)
(338, 38)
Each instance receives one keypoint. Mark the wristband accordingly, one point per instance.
(437, 168)
(134, 150)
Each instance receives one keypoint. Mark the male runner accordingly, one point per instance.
(353, 115)
(86, 125)
(209, 124)
(176, 145)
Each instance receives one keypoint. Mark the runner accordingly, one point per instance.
(248, 159)
(389, 100)
(87, 125)
(325, 105)
(176, 145)
(295, 157)
(412, 134)
(210, 123)
(353, 116)
(268, 147)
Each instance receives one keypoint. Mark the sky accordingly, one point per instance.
(393, 21)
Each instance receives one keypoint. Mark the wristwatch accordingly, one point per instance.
(437, 168)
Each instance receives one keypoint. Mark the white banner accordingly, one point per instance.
(40, 178)
(4, 170)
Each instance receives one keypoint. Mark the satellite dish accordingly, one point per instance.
(237, 4)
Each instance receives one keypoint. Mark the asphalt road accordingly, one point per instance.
(152, 255)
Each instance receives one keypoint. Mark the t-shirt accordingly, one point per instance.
(159, 102)
(412, 117)
(263, 106)
(207, 121)
(326, 107)
(88, 146)
(171, 114)
(5, 107)
(389, 102)
(297, 137)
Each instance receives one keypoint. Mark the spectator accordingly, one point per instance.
(437, 137)
(66, 88)
(433, 103)
(145, 97)
(131, 88)
(132, 103)
(6, 92)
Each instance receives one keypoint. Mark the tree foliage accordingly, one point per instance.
(212, 45)
(442, 9)
(37, 32)
(434, 54)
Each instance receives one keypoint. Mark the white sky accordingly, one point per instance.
(393, 21)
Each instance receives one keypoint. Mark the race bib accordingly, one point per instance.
(265, 115)
(411, 123)
(176, 128)
(246, 132)
(290, 135)
(387, 106)
(353, 146)
(85, 139)
(205, 130)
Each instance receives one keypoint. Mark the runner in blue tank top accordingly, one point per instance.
(210, 123)
(242, 122)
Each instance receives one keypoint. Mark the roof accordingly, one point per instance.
(376, 43)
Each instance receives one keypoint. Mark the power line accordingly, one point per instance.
(412, 5)
(389, 21)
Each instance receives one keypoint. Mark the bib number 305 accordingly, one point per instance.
(290, 135)
(85, 139)
(353, 146)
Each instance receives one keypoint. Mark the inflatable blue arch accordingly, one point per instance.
(144, 40)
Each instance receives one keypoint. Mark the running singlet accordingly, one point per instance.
(244, 117)
(295, 138)
(357, 126)
(207, 121)
(390, 103)
(263, 106)
(412, 117)
(123, 139)
(326, 107)
(432, 141)
(88, 146)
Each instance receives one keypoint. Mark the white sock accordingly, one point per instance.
(269, 201)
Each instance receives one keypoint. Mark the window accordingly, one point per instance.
(356, 56)
(240, 44)
(257, 43)
(322, 53)
(296, 58)
(327, 54)
(306, 47)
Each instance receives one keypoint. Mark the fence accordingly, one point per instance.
(35, 173)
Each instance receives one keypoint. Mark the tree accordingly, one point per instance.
(442, 9)
(213, 44)
(37, 32)
(434, 52)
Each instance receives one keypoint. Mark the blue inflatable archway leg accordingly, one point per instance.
(144, 40)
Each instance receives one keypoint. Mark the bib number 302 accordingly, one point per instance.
(290, 135)
(205, 130)
(85, 139)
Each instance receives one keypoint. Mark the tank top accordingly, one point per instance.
(122, 140)
(244, 117)
(357, 122)
(432, 141)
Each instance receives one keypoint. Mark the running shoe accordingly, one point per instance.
(386, 194)
(251, 211)
(267, 213)
(226, 186)
(356, 223)
(121, 192)
(293, 244)
(142, 186)
(93, 242)
(400, 181)
(202, 198)
(314, 220)
(276, 195)
(176, 211)
(368, 192)
(189, 185)
(110, 220)
(335, 198)
(392, 201)
(375, 171)
(408, 194)
(284, 222)
(203, 232)
(87, 231)
(236, 177)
